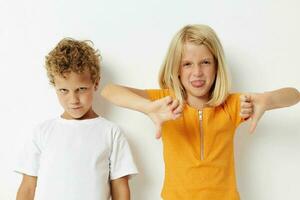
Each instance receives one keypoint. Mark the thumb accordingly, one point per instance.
(253, 124)
(258, 113)
(158, 132)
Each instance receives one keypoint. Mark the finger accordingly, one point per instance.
(174, 104)
(245, 98)
(245, 116)
(246, 105)
(178, 109)
(177, 116)
(248, 111)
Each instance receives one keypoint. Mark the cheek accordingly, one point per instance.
(87, 98)
(61, 99)
(183, 76)
(183, 81)
(211, 74)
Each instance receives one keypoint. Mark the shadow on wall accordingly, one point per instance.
(100, 105)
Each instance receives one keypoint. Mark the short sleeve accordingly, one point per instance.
(155, 94)
(233, 106)
(29, 158)
(121, 159)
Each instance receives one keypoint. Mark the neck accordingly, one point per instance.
(197, 102)
(88, 115)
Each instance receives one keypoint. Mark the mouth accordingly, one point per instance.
(76, 108)
(198, 83)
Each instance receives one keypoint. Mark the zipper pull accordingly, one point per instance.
(200, 115)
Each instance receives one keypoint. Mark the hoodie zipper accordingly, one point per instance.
(201, 135)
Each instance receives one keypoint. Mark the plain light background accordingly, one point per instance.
(261, 42)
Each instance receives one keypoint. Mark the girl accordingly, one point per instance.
(197, 116)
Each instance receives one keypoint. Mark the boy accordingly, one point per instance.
(79, 155)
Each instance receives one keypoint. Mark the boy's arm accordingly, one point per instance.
(120, 189)
(27, 188)
(254, 105)
(159, 111)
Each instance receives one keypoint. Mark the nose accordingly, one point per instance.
(197, 71)
(74, 99)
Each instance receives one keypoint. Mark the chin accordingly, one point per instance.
(199, 94)
(76, 116)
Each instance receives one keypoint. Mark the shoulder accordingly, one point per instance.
(41, 131)
(233, 98)
(105, 123)
(158, 93)
(109, 127)
(44, 125)
(112, 132)
(232, 107)
(231, 103)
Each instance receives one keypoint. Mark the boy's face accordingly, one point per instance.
(75, 94)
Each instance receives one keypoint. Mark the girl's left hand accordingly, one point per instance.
(253, 107)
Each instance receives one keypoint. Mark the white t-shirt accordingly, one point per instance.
(76, 159)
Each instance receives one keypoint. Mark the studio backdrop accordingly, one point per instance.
(261, 42)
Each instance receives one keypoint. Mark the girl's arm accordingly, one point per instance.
(281, 98)
(254, 105)
(120, 189)
(131, 98)
(27, 188)
(159, 111)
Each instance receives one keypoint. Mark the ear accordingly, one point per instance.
(96, 84)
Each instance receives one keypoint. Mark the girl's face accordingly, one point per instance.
(197, 72)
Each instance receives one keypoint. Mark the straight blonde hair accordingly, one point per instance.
(170, 69)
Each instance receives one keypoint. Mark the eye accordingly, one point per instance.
(63, 91)
(82, 89)
(206, 62)
(187, 64)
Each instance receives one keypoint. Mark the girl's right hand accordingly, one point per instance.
(163, 110)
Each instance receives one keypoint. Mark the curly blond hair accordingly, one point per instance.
(71, 55)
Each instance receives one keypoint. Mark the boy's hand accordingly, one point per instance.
(163, 110)
(252, 106)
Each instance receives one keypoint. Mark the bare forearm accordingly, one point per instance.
(27, 188)
(281, 98)
(25, 194)
(125, 97)
(120, 189)
(122, 195)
